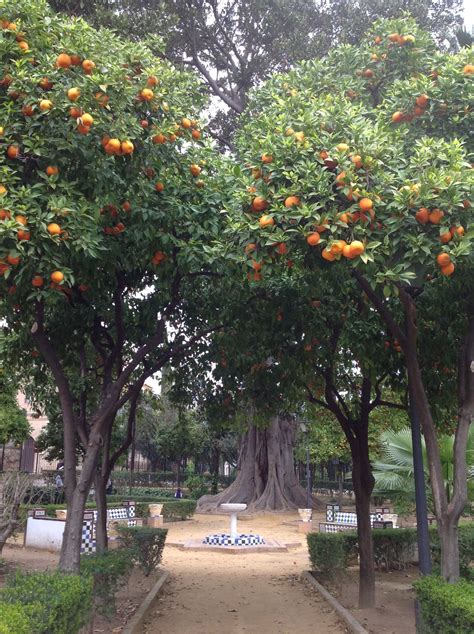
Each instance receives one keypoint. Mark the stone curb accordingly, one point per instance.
(135, 625)
(344, 614)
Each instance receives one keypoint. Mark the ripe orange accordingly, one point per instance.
(259, 203)
(393, 37)
(73, 94)
(88, 66)
(357, 248)
(267, 158)
(266, 221)
(23, 45)
(448, 269)
(342, 147)
(256, 265)
(3, 190)
(345, 217)
(21, 220)
(299, 136)
(337, 246)
(63, 61)
(282, 249)
(152, 81)
(113, 146)
(146, 94)
(45, 84)
(422, 101)
(87, 119)
(313, 239)
(52, 170)
(186, 123)
(159, 187)
(357, 160)
(443, 259)
(23, 235)
(4, 214)
(45, 105)
(75, 112)
(196, 134)
(57, 277)
(195, 169)
(397, 116)
(37, 281)
(13, 151)
(127, 205)
(158, 139)
(102, 99)
(75, 60)
(327, 255)
(445, 237)
(292, 201)
(13, 259)
(435, 216)
(459, 230)
(468, 69)
(368, 73)
(422, 215)
(366, 204)
(127, 147)
(54, 229)
(250, 247)
(347, 253)
(83, 129)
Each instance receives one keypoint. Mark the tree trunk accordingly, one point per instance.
(266, 479)
(215, 461)
(363, 481)
(100, 485)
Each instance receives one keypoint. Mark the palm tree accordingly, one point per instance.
(394, 472)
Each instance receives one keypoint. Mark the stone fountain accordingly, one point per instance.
(233, 538)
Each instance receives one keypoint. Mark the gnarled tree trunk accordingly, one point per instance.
(266, 479)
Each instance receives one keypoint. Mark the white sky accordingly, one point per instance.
(468, 13)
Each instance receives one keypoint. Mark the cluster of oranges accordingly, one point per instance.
(425, 216)
(444, 262)
(116, 146)
(419, 109)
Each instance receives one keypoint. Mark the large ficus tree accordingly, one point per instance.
(108, 202)
(361, 160)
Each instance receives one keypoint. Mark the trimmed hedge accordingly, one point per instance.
(16, 618)
(466, 549)
(330, 552)
(145, 545)
(108, 570)
(56, 603)
(446, 608)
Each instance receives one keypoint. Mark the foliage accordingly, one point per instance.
(14, 487)
(329, 552)
(445, 608)
(16, 618)
(466, 549)
(142, 478)
(197, 486)
(394, 547)
(145, 544)
(64, 602)
(109, 570)
(14, 424)
(394, 472)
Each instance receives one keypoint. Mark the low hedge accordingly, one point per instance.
(145, 545)
(445, 608)
(466, 549)
(16, 618)
(54, 602)
(108, 570)
(330, 553)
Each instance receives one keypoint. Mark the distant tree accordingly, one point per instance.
(14, 426)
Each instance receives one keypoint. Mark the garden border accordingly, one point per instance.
(135, 625)
(344, 614)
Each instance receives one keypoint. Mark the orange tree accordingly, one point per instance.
(360, 160)
(108, 197)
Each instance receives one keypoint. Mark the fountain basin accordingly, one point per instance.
(224, 539)
(233, 507)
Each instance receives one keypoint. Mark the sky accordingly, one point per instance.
(469, 13)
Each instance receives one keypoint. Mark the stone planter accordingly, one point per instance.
(305, 514)
(155, 509)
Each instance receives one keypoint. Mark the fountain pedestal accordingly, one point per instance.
(234, 509)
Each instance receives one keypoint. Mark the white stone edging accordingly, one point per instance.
(135, 625)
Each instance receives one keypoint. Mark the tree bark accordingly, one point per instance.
(266, 479)
(100, 486)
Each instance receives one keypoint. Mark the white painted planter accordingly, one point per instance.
(391, 517)
(155, 509)
(61, 514)
(305, 514)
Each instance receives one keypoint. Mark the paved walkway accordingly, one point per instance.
(211, 593)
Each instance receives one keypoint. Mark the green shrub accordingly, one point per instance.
(65, 601)
(144, 543)
(16, 618)
(178, 509)
(466, 549)
(109, 570)
(330, 552)
(197, 485)
(394, 547)
(446, 608)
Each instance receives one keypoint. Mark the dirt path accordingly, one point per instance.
(211, 593)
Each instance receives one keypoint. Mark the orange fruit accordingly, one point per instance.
(468, 69)
(73, 94)
(13, 259)
(152, 81)
(63, 61)
(337, 246)
(292, 201)
(393, 37)
(267, 158)
(13, 151)
(127, 206)
(266, 221)
(159, 187)
(37, 281)
(195, 169)
(448, 269)
(459, 230)
(299, 136)
(327, 255)
(4, 214)
(75, 112)
(196, 134)
(357, 160)
(422, 215)
(87, 119)
(250, 247)
(23, 235)
(357, 247)
(51, 170)
(259, 203)
(27, 111)
(23, 45)
(57, 277)
(397, 116)
(113, 146)
(146, 94)
(186, 123)
(443, 259)
(366, 204)
(21, 220)
(102, 99)
(75, 60)
(342, 147)
(282, 249)
(435, 216)
(346, 252)
(158, 139)
(45, 105)
(422, 101)
(83, 129)
(313, 239)
(45, 84)
(127, 147)
(54, 229)
(256, 265)
(445, 237)
(88, 66)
